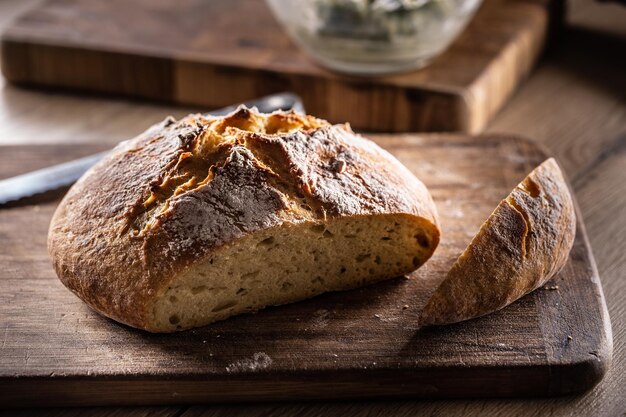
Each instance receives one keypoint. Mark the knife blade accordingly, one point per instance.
(62, 175)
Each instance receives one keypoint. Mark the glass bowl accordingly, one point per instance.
(373, 36)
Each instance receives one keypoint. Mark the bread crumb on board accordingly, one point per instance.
(259, 360)
(386, 318)
(320, 319)
(551, 287)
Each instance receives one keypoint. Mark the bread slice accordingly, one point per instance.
(201, 219)
(524, 243)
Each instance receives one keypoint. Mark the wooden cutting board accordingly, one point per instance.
(213, 53)
(363, 343)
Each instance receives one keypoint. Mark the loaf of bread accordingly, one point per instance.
(200, 219)
(524, 243)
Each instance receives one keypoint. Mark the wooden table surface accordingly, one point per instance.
(574, 103)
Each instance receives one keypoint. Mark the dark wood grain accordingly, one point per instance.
(357, 344)
(224, 51)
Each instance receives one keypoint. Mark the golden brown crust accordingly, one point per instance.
(524, 243)
(168, 198)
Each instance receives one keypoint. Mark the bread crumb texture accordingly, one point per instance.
(525, 242)
(207, 217)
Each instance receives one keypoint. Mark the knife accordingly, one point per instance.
(62, 175)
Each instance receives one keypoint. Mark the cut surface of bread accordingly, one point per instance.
(524, 243)
(207, 217)
(295, 262)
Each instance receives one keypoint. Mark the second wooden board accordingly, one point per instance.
(218, 52)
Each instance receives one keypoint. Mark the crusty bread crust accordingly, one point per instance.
(167, 199)
(524, 243)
